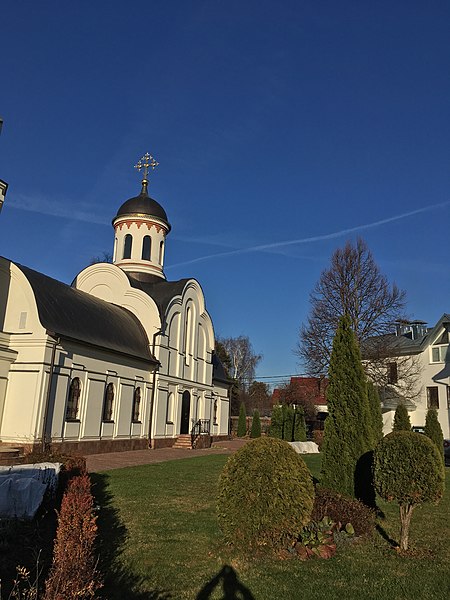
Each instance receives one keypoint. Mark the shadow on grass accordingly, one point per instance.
(386, 536)
(231, 586)
(119, 582)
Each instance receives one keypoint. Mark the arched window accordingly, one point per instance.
(146, 247)
(73, 401)
(108, 402)
(161, 251)
(215, 412)
(137, 405)
(127, 246)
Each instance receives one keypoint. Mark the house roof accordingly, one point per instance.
(76, 315)
(219, 373)
(159, 289)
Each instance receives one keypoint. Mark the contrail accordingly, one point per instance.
(317, 238)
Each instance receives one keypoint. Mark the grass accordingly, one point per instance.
(159, 539)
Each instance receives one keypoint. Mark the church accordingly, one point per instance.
(122, 359)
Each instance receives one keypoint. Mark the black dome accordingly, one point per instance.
(143, 205)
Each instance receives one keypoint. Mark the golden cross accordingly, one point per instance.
(146, 162)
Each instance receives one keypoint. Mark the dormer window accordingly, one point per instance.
(146, 247)
(440, 354)
(127, 246)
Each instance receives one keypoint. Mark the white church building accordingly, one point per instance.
(121, 359)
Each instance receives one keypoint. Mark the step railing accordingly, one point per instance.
(200, 427)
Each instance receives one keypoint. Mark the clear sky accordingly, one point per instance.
(282, 128)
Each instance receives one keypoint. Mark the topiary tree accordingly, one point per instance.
(376, 417)
(276, 423)
(288, 423)
(256, 425)
(401, 419)
(242, 422)
(433, 430)
(299, 425)
(266, 495)
(409, 470)
(347, 434)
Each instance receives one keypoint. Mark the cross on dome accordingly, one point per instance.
(144, 163)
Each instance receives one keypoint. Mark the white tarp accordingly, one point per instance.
(305, 447)
(22, 488)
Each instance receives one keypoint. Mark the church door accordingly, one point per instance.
(185, 412)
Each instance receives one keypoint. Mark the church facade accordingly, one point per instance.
(121, 359)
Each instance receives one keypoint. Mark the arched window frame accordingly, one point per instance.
(127, 246)
(108, 404)
(146, 247)
(73, 400)
(137, 397)
(161, 252)
(215, 411)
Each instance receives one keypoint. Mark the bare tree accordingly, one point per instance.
(106, 257)
(258, 397)
(243, 359)
(301, 395)
(352, 285)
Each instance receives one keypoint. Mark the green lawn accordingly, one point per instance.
(160, 539)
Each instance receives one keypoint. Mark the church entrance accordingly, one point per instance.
(185, 412)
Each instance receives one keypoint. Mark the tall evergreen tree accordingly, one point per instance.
(434, 431)
(401, 419)
(348, 434)
(242, 423)
(299, 425)
(288, 423)
(256, 425)
(276, 423)
(376, 418)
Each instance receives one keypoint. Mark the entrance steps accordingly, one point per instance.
(10, 455)
(183, 441)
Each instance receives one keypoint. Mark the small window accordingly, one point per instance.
(108, 403)
(435, 354)
(146, 247)
(137, 405)
(392, 374)
(169, 409)
(215, 412)
(439, 354)
(161, 252)
(432, 397)
(127, 246)
(73, 401)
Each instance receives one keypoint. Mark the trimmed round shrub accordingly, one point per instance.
(343, 509)
(266, 495)
(408, 470)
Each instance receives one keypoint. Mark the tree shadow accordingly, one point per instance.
(386, 536)
(231, 586)
(119, 582)
(364, 483)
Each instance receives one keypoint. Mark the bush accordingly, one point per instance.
(343, 509)
(276, 423)
(433, 430)
(401, 419)
(256, 425)
(242, 423)
(408, 469)
(299, 425)
(318, 437)
(265, 496)
(288, 423)
(73, 573)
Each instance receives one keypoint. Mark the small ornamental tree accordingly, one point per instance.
(376, 417)
(409, 470)
(347, 434)
(276, 423)
(288, 423)
(256, 425)
(242, 423)
(401, 419)
(299, 425)
(433, 430)
(266, 495)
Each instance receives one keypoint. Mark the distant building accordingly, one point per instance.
(121, 359)
(306, 391)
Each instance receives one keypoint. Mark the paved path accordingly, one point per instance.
(118, 460)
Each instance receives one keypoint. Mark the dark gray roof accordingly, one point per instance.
(159, 289)
(143, 205)
(76, 315)
(219, 373)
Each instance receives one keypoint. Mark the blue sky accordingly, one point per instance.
(282, 130)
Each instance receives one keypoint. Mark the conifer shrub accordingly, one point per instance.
(276, 423)
(401, 419)
(408, 470)
(256, 425)
(299, 425)
(266, 495)
(242, 422)
(433, 430)
(73, 573)
(376, 417)
(343, 509)
(288, 423)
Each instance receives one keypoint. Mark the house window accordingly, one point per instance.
(392, 373)
(137, 405)
(146, 247)
(161, 252)
(127, 246)
(169, 409)
(108, 403)
(439, 354)
(73, 401)
(215, 412)
(432, 397)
